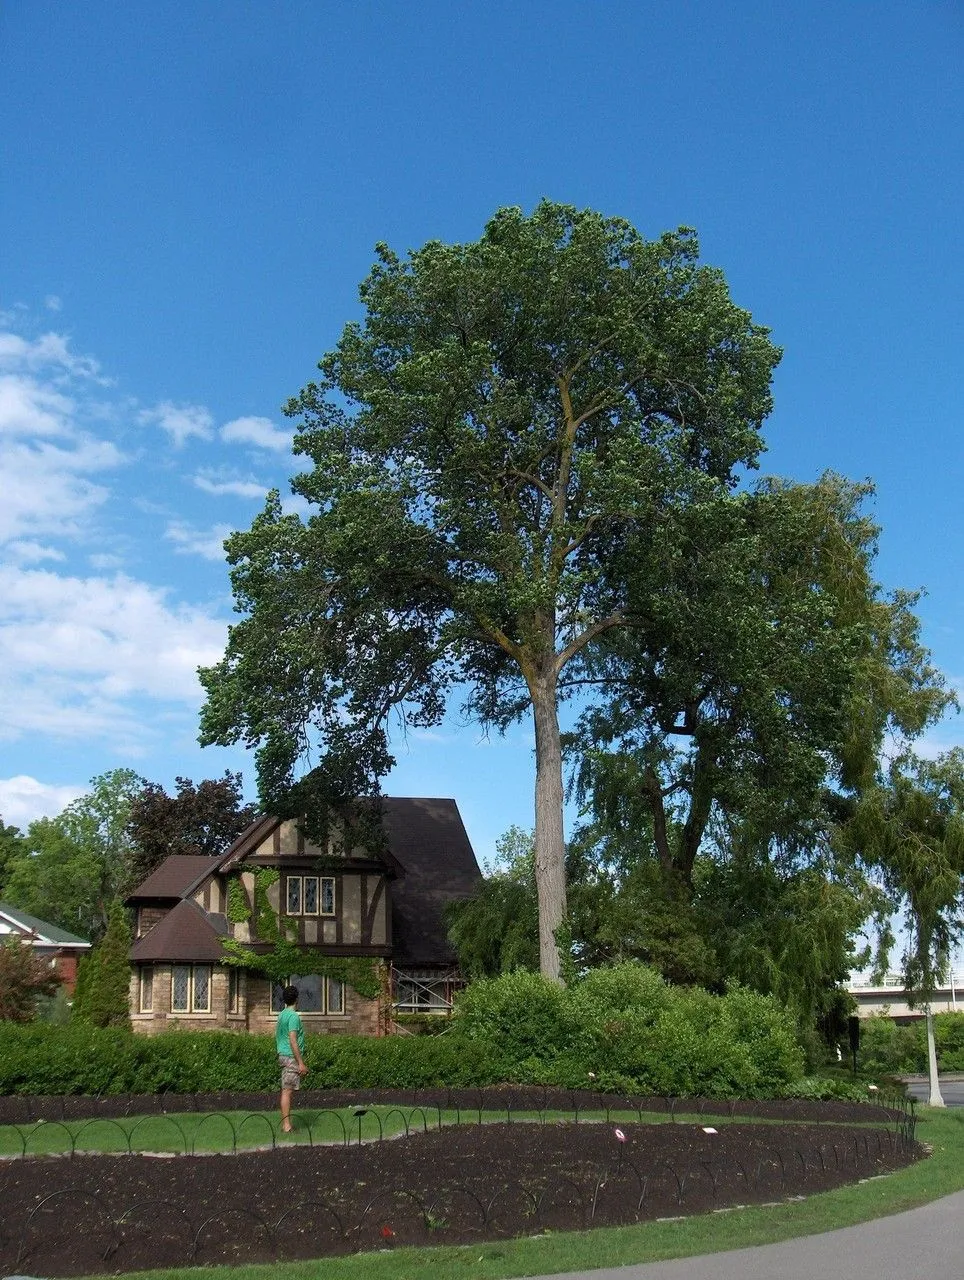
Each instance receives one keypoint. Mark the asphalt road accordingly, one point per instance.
(922, 1244)
(952, 1091)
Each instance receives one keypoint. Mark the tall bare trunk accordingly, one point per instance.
(550, 849)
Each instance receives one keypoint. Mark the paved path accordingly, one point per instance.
(922, 1244)
(952, 1090)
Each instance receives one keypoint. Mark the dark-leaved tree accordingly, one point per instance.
(503, 453)
(24, 977)
(202, 819)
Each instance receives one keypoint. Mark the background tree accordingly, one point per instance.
(504, 452)
(203, 819)
(744, 725)
(101, 996)
(11, 846)
(24, 978)
(73, 866)
(497, 930)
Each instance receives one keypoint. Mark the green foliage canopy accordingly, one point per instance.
(73, 866)
(503, 451)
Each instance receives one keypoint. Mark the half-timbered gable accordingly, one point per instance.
(199, 918)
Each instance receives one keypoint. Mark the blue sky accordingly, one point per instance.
(190, 195)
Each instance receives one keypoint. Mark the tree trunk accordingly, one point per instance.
(935, 1097)
(550, 849)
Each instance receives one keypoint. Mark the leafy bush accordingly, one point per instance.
(521, 1015)
(621, 1029)
(889, 1049)
(949, 1039)
(625, 1029)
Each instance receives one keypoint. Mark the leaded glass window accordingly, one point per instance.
(181, 988)
(202, 988)
(311, 896)
(294, 895)
(327, 896)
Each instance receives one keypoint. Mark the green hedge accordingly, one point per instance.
(41, 1059)
(620, 1029)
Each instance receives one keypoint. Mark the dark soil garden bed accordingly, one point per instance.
(89, 1214)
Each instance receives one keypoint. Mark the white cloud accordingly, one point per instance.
(51, 351)
(28, 552)
(23, 799)
(46, 458)
(46, 489)
(29, 409)
(212, 482)
(208, 543)
(97, 658)
(105, 560)
(52, 302)
(260, 432)
(180, 421)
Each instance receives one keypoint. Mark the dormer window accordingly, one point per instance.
(310, 895)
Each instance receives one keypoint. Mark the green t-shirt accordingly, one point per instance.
(288, 1020)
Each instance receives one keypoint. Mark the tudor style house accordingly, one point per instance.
(349, 904)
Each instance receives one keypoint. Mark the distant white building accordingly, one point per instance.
(888, 999)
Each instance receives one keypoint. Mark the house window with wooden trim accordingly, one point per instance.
(191, 988)
(145, 987)
(310, 895)
(316, 994)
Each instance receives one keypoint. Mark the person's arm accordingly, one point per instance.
(296, 1052)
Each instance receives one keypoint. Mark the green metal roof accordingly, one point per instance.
(48, 931)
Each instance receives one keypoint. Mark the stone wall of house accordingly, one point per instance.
(362, 1016)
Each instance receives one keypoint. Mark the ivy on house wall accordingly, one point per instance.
(286, 957)
(239, 908)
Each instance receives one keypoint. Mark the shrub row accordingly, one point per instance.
(620, 1030)
(42, 1059)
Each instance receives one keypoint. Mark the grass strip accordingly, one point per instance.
(187, 1132)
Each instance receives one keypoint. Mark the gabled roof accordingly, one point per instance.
(46, 934)
(428, 839)
(177, 876)
(186, 934)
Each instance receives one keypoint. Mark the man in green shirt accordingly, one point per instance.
(290, 1044)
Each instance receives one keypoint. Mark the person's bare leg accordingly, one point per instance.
(286, 1110)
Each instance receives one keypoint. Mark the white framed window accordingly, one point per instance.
(316, 994)
(191, 988)
(145, 982)
(310, 895)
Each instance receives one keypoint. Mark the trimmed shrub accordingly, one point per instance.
(76, 1059)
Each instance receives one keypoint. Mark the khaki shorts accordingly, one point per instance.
(290, 1078)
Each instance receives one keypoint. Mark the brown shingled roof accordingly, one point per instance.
(428, 839)
(186, 933)
(174, 878)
